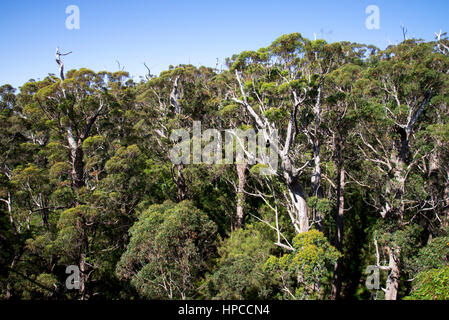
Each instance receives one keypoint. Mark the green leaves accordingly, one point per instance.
(288, 45)
(275, 114)
(248, 58)
(431, 285)
(434, 255)
(323, 206)
(169, 241)
(239, 271)
(85, 175)
(311, 264)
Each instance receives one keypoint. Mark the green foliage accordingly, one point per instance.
(47, 281)
(84, 168)
(306, 272)
(239, 272)
(168, 251)
(431, 285)
(323, 206)
(71, 236)
(275, 114)
(434, 255)
(431, 269)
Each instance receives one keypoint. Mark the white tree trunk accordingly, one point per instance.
(392, 287)
(241, 172)
(300, 210)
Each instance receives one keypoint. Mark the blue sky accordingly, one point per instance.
(198, 32)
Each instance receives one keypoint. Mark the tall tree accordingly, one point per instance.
(401, 85)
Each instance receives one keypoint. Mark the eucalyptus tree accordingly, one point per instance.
(65, 113)
(270, 85)
(320, 60)
(8, 146)
(11, 225)
(281, 87)
(230, 119)
(174, 100)
(168, 252)
(400, 89)
(436, 135)
(340, 116)
(72, 106)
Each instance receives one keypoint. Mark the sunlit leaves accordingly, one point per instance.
(169, 241)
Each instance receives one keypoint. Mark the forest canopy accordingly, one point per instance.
(360, 179)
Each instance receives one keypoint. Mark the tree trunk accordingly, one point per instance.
(317, 190)
(78, 166)
(241, 172)
(396, 186)
(392, 287)
(298, 210)
(11, 218)
(316, 173)
(299, 215)
(180, 183)
(315, 180)
(82, 279)
(339, 221)
(82, 253)
(8, 295)
(45, 214)
(76, 158)
(446, 203)
(341, 209)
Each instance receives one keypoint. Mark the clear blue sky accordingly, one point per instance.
(198, 32)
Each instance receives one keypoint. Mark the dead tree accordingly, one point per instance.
(60, 63)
